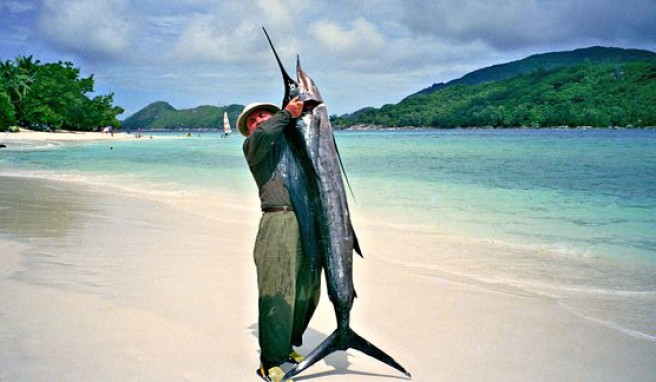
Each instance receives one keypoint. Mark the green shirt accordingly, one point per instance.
(263, 150)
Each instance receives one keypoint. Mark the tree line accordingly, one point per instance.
(598, 95)
(51, 96)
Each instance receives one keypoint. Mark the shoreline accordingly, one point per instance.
(30, 137)
(64, 135)
(114, 279)
(371, 127)
(73, 136)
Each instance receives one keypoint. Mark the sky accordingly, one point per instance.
(359, 52)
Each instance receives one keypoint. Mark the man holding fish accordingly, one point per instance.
(299, 155)
(288, 287)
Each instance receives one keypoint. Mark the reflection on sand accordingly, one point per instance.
(35, 209)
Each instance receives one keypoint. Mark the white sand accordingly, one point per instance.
(60, 136)
(95, 287)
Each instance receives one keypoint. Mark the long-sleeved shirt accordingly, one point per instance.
(263, 150)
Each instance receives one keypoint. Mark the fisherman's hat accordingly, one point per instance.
(241, 121)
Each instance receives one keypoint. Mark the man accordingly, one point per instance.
(288, 288)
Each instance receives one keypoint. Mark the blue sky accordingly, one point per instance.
(360, 53)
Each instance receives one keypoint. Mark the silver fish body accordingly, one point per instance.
(336, 231)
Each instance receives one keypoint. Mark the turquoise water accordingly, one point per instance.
(589, 191)
(566, 213)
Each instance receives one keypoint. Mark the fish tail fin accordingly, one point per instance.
(328, 346)
(358, 343)
(335, 342)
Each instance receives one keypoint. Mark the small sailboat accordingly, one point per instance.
(226, 125)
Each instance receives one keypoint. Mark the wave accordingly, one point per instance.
(609, 324)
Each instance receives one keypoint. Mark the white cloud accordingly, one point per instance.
(362, 38)
(277, 13)
(231, 32)
(207, 38)
(93, 29)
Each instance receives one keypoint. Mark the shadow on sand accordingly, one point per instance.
(339, 360)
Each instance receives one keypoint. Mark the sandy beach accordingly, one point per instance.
(99, 286)
(59, 136)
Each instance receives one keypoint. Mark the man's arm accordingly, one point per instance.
(263, 139)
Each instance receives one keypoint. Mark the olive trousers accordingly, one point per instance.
(288, 290)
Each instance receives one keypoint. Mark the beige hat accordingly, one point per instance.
(241, 121)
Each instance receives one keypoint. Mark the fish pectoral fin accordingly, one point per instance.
(356, 245)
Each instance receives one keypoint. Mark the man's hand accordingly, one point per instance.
(295, 107)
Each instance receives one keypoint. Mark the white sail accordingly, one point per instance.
(226, 124)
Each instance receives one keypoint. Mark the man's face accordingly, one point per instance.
(256, 117)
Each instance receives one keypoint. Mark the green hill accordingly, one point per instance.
(161, 115)
(545, 61)
(587, 87)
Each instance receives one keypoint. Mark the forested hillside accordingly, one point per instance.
(546, 61)
(600, 95)
(162, 116)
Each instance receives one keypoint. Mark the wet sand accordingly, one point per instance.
(102, 287)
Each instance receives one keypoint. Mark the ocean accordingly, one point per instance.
(565, 214)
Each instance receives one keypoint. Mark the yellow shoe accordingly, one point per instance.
(274, 374)
(294, 357)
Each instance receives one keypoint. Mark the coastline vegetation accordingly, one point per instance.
(51, 96)
(596, 95)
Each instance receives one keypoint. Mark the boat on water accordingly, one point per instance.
(227, 131)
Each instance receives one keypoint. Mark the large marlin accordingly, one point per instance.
(314, 143)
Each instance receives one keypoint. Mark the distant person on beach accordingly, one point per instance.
(288, 289)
